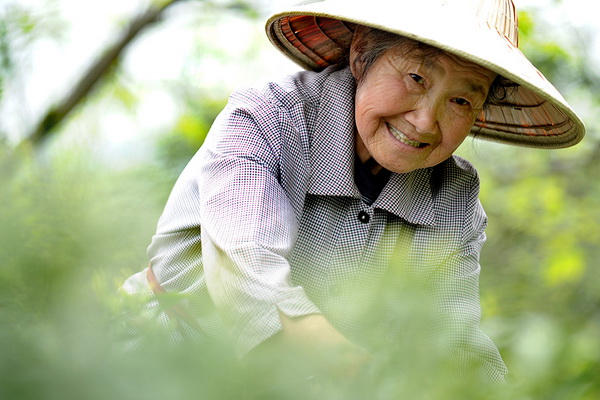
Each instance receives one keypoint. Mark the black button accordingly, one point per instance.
(363, 217)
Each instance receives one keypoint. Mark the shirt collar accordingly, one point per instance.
(332, 153)
(408, 196)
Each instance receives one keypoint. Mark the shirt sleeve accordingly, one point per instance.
(457, 298)
(248, 223)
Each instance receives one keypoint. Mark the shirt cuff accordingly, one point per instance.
(261, 327)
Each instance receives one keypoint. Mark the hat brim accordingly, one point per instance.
(535, 114)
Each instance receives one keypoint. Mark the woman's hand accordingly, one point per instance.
(311, 346)
(314, 336)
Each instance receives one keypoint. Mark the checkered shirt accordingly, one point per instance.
(266, 218)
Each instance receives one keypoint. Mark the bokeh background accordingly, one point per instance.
(87, 161)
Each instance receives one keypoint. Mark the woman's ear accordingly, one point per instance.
(357, 49)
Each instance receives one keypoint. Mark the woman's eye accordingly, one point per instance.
(462, 102)
(417, 78)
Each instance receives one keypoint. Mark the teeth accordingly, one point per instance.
(401, 137)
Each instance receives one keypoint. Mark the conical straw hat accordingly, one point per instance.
(319, 34)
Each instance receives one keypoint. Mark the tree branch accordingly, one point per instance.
(57, 113)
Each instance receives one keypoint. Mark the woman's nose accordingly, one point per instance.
(424, 118)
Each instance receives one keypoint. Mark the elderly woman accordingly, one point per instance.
(318, 203)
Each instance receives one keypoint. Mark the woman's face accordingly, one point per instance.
(413, 112)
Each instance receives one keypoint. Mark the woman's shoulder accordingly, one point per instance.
(456, 174)
(458, 167)
(288, 91)
(461, 166)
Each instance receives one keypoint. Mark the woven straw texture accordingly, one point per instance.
(483, 31)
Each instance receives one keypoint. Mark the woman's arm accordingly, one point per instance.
(315, 347)
(250, 220)
(456, 294)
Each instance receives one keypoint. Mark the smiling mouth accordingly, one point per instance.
(404, 139)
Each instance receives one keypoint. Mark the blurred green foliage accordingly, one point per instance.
(72, 229)
(176, 148)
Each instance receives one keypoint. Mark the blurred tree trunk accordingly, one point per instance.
(90, 78)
